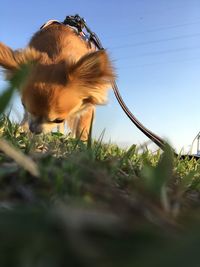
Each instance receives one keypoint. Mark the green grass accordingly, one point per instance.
(64, 202)
(96, 204)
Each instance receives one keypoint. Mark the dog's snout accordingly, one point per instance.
(35, 128)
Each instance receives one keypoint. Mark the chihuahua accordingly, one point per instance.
(67, 80)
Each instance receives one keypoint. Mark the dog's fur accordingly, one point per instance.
(68, 78)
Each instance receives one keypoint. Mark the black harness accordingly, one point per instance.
(79, 24)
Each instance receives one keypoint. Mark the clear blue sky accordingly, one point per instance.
(155, 46)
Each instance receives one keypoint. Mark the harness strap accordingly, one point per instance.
(49, 22)
(82, 34)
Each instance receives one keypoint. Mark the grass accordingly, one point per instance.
(96, 204)
(64, 202)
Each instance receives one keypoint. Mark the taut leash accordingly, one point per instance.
(80, 24)
(84, 31)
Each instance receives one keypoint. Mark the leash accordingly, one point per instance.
(80, 24)
(85, 32)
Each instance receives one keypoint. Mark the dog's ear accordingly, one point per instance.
(12, 60)
(92, 75)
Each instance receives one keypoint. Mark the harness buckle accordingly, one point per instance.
(75, 21)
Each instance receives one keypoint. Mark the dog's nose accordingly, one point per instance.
(34, 128)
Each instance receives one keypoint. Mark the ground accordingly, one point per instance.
(64, 202)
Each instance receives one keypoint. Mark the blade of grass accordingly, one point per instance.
(15, 82)
(24, 161)
(89, 142)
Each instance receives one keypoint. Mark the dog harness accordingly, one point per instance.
(82, 34)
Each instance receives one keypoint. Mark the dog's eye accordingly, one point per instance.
(58, 121)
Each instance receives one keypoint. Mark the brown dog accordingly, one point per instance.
(66, 82)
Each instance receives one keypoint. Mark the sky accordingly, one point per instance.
(155, 48)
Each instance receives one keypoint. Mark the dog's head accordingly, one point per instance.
(54, 91)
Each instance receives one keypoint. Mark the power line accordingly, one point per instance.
(167, 51)
(153, 30)
(160, 63)
(156, 41)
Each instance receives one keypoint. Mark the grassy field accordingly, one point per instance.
(68, 203)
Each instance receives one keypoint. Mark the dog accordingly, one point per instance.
(68, 79)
